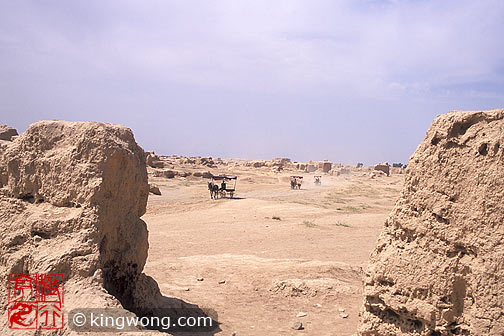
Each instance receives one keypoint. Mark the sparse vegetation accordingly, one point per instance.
(351, 209)
(339, 223)
(303, 202)
(309, 224)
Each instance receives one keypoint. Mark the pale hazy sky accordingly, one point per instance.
(348, 81)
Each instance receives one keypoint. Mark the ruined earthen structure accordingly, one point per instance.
(438, 266)
(7, 132)
(71, 197)
(384, 167)
(325, 166)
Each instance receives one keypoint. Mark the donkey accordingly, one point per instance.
(214, 190)
(293, 183)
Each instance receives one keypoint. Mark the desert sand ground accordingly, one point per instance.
(309, 260)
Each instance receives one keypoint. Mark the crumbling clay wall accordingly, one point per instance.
(7, 133)
(71, 198)
(384, 167)
(438, 266)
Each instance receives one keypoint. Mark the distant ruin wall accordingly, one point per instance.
(438, 266)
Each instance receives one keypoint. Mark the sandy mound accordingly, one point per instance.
(438, 265)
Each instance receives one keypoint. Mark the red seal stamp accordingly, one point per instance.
(36, 301)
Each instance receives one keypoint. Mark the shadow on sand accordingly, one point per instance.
(186, 319)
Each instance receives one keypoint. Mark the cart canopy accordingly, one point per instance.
(224, 177)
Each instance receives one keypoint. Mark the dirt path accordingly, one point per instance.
(309, 259)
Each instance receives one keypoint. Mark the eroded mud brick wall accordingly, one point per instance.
(438, 267)
(71, 197)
